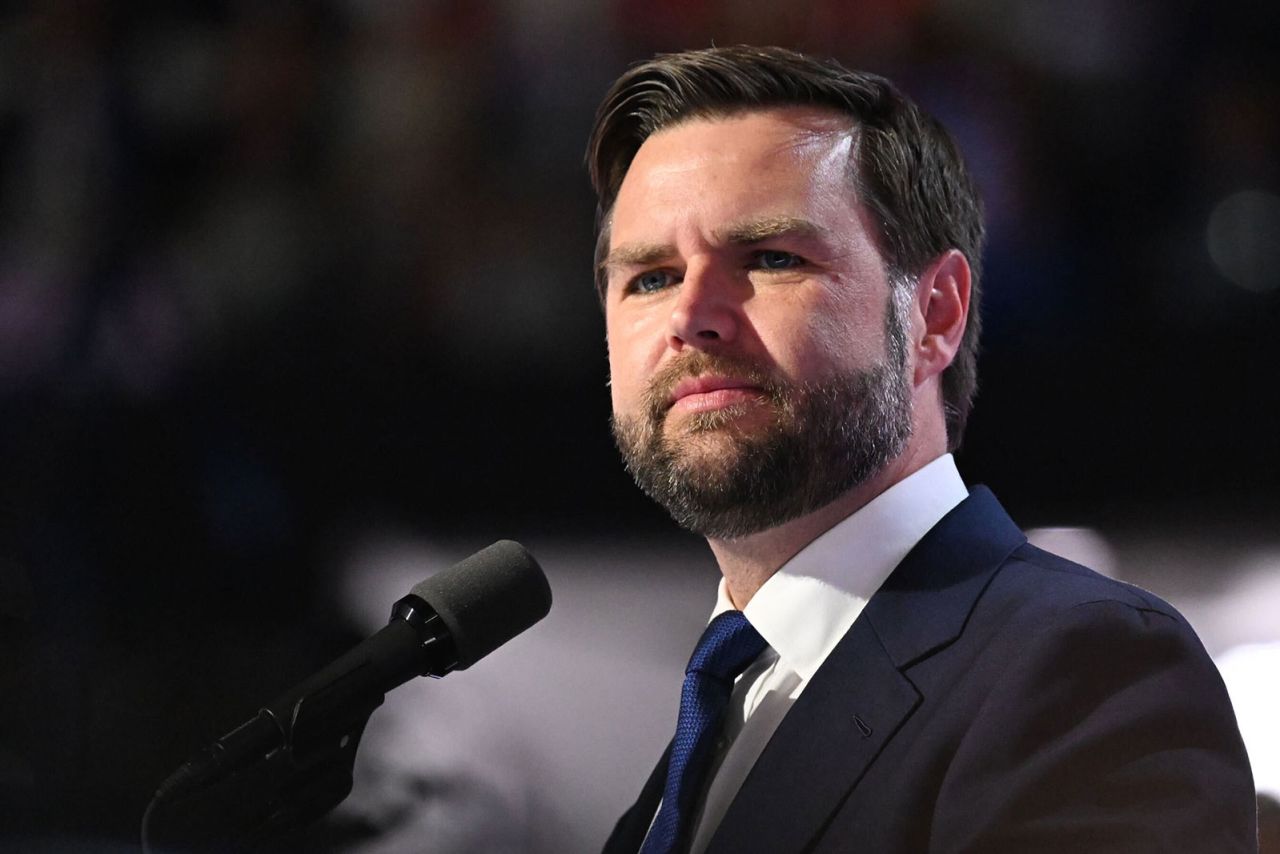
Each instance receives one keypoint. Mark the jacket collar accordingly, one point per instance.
(923, 605)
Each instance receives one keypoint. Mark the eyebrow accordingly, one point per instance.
(738, 234)
(766, 228)
(637, 255)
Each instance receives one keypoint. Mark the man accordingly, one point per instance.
(789, 259)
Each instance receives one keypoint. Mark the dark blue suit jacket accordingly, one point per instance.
(993, 697)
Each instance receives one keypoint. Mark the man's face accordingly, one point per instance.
(757, 360)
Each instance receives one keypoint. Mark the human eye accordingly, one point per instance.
(650, 281)
(776, 259)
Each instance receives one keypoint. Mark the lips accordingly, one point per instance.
(695, 394)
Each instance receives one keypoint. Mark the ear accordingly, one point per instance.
(942, 300)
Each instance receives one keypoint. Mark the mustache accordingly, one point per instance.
(657, 395)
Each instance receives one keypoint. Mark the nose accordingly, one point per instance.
(707, 311)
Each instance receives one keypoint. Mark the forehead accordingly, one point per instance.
(780, 157)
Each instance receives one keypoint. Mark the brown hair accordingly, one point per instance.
(907, 170)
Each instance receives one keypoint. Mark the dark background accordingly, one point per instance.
(273, 275)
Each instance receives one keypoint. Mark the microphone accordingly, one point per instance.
(447, 622)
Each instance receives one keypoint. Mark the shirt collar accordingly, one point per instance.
(809, 604)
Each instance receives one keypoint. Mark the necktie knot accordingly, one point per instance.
(727, 646)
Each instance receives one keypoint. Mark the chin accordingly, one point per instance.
(736, 419)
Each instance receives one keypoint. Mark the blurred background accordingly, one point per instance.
(296, 308)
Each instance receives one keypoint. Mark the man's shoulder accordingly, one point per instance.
(1044, 614)
(980, 533)
(1035, 591)
(1059, 583)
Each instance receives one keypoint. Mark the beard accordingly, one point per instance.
(823, 439)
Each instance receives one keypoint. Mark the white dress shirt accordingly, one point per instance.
(807, 606)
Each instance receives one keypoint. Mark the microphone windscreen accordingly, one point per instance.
(488, 599)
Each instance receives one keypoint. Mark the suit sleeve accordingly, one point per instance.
(1111, 731)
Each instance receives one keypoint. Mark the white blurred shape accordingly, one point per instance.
(1244, 239)
(539, 747)
(1246, 612)
(1252, 674)
(1082, 545)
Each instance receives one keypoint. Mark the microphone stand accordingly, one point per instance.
(291, 763)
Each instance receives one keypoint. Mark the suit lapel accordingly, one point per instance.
(924, 604)
(849, 710)
(859, 697)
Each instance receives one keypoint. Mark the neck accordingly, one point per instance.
(748, 562)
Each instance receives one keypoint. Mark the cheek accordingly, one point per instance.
(626, 367)
(618, 387)
(838, 332)
(829, 329)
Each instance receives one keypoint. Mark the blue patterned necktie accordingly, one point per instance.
(727, 646)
